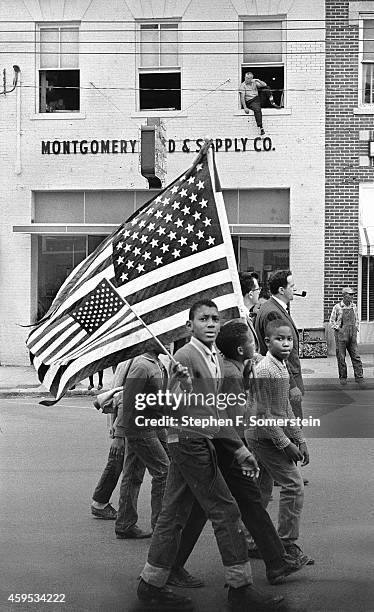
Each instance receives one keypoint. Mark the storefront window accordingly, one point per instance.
(262, 255)
(57, 257)
(367, 289)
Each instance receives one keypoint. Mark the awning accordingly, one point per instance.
(62, 228)
(366, 240)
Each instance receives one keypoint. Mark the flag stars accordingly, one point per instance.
(186, 210)
(182, 240)
(193, 197)
(189, 228)
(176, 253)
(211, 240)
(199, 167)
(120, 260)
(142, 223)
(119, 246)
(143, 239)
(158, 214)
(183, 193)
(136, 251)
(150, 211)
(161, 230)
(174, 189)
(172, 235)
(179, 222)
(154, 243)
(196, 215)
(127, 248)
(135, 235)
(151, 227)
(175, 205)
(193, 246)
(191, 180)
(168, 218)
(164, 248)
(140, 268)
(146, 255)
(200, 234)
(134, 222)
(158, 200)
(166, 201)
(126, 233)
(200, 185)
(158, 261)
(203, 203)
(207, 221)
(130, 264)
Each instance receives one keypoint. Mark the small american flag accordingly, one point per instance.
(173, 251)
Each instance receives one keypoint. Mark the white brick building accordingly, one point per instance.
(83, 65)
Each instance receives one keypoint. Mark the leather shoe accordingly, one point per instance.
(162, 599)
(134, 533)
(290, 566)
(250, 598)
(108, 513)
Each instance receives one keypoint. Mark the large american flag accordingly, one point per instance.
(173, 251)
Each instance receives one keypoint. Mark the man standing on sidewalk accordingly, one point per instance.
(345, 323)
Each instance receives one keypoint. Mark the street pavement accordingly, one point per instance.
(52, 457)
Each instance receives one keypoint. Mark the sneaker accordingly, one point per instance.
(99, 387)
(262, 132)
(156, 598)
(133, 533)
(250, 598)
(294, 551)
(180, 577)
(108, 513)
(90, 387)
(290, 566)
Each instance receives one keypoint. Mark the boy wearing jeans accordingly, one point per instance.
(279, 448)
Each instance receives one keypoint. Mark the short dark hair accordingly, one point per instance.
(273, 325)
(197, 305)
(278, 279)
(248, 72)
(232, 334)
(247, 282)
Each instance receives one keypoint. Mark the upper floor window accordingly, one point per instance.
(59, 76)
(159, 69)
(368, 61)
(263, 54)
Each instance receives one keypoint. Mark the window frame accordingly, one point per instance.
(157, 69)
(38, 56)
(361, 61)
(242, 64)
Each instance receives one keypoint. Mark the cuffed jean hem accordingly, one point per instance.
(156, 576)
(238, 575)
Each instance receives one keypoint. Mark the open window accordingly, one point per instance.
(263, 54)
(59, 77)
(159, 70)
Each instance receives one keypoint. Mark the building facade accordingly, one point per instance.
(349, 227)
(91, 74)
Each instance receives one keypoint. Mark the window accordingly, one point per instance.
(159, 70)
(367, 289)
(368, 61)
(263, 55)
(59, 76)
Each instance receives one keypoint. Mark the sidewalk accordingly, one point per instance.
(317, 373)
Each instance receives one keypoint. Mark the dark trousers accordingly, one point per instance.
(100, 374)
(108, 480)
(255, 106)
(247, 494)
(194, 474)
(148, 451)
(346, 340)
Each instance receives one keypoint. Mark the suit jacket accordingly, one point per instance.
(269, 311)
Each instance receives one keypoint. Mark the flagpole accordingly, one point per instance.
(164, 349)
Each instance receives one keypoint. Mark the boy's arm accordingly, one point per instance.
(125, 400)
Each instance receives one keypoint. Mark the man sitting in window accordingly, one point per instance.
(250, 97)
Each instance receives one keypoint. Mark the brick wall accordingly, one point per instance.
(343, 149)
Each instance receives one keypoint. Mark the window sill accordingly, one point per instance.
(158, 113)
(57, 116)
(368, 109)
(267, 111)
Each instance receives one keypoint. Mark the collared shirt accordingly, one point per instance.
(250, 90)
(271, 394)
(210, 356)
(283, 304)
(336, 317)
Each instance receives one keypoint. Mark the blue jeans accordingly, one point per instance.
(108, 480)
(275, 465)
(194, 474)
(148, 451)
(346, 340)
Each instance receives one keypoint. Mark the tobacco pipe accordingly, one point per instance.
(302, 294)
